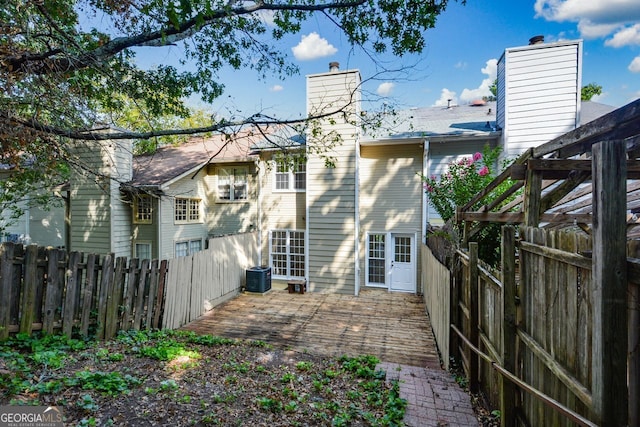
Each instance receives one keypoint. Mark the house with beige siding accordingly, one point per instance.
(342, 209)
(180, 196)
(361, 222)
(358, 222)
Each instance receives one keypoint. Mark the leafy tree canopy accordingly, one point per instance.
(66, 65)
(590, 90)
(56, 74)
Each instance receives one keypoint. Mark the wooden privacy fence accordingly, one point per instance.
(197, 283)
(437, 298)
(536, 325)
(46, 289)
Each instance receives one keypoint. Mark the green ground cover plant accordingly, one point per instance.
(181, 378)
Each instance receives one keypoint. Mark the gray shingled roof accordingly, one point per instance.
(454, 121)
(168, 163)
(591, 110)
(460, 121)
(284, 137)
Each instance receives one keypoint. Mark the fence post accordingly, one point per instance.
(474, 323)
(532, 195)
(114, 297)
(88, 292)
(454, 283)
(610, 329)
(6, 276)
(71, 293)
(129, 293)
(29, 285)
(158, 313)
(507, 388)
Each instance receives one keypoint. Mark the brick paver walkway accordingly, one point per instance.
(434, 399)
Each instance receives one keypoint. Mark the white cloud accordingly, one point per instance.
(312, 47)
(589, 30)
(276, 88)
(634, 67)
(626, 36)
(461, 65)
(385, 88)
(595, 11)
(447, 97)
(595, 18)
(490, 70)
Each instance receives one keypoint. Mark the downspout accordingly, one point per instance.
(67, 221)
(158, 227)
(259, 212)
(357, 217)
(27, 222)
(307, 248)
(425, 199)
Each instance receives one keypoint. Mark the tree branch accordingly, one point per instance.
(34, 62)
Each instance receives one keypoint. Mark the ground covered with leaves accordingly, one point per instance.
(178, 378)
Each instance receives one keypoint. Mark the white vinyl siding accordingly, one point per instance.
(391, 196)
(100, 220)
(539, 94)
(171, 232)
(331, 192)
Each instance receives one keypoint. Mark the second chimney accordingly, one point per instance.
(536, 40)
(334, 66)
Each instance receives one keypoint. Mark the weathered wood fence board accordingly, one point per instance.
(556, 328)
(197, 283)
(553, 323)
(437, 296)
(46, 290)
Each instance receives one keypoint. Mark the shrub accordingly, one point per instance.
(459, 184)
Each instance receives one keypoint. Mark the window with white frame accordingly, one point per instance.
(188, 247)
(142, 209)
(376, 259)
(187, 210)
(142, 251)
(290, 175)
(232, 184)
(287, 253)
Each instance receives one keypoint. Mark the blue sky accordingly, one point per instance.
(459, 60)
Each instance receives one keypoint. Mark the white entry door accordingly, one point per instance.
(403, 263)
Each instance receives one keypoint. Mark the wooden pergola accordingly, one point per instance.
(589, 179)
(557, 178)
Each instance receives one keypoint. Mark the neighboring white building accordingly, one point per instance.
(539, 90)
